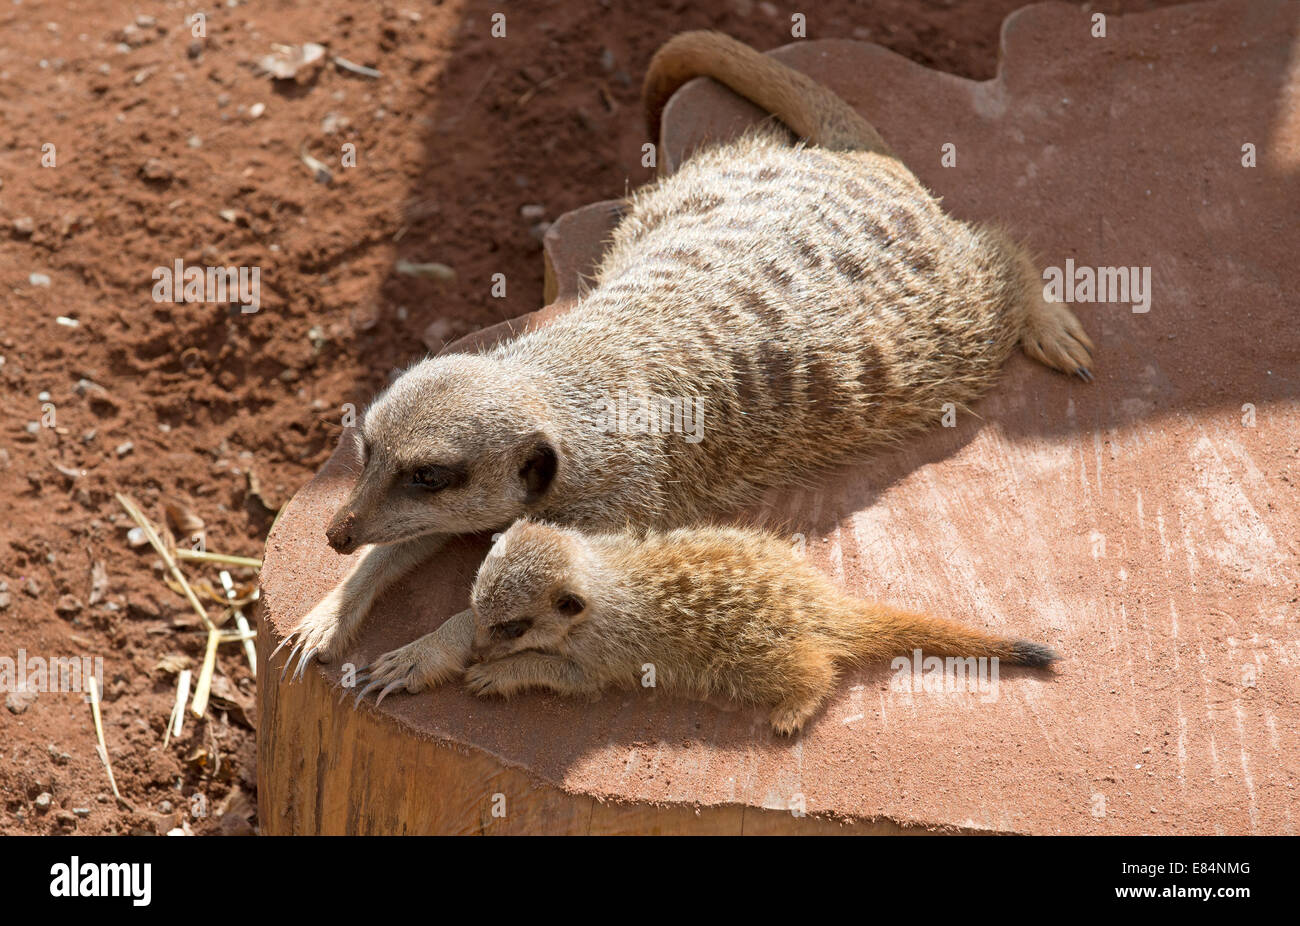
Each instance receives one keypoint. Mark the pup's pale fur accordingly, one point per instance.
(814, 300)
(715, 611)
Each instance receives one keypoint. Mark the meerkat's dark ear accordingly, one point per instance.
(538, 468)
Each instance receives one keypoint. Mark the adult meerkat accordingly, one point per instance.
(715, 611)
(812, 298)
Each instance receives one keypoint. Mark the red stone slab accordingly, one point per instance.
(1146, 526)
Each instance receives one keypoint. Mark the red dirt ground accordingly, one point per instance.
(153, 140)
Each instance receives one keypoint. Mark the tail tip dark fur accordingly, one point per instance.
(1029, 653)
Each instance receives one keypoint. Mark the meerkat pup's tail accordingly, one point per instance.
(882, 631)
(868, 632)
(811, 110)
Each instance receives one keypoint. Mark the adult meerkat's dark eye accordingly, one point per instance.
(569, 604)
(434, 478)
(512, 630)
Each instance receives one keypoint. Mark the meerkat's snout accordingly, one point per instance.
(341, 531)
(353, 524)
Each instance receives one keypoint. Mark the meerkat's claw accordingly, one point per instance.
(288, 660)
(1084, 374)
(365, 691)
(391, 685)
(346, 690)
(302, 663)
(283, 643)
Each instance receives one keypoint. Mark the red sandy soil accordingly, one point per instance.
(154, 140)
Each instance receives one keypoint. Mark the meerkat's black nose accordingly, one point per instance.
(340, 532)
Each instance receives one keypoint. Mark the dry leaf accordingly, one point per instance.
(173, 663)
(226, 697)
(181, 520)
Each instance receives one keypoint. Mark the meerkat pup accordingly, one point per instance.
(806, 301)
(714, 611)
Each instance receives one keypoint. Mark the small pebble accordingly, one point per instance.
(43, 800)
(154, 169)
(19, 700)
(124, 448)
(38, 279)
(332, 123)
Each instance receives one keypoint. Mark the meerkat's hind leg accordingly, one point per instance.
(814, 677)
(790, 715)
(1049, 331)
(431, 660)
(1054, 337)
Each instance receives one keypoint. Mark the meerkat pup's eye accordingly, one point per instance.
(569, 604)
(512, 630)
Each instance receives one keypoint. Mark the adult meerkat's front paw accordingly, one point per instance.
(324, 633)
(430, 660)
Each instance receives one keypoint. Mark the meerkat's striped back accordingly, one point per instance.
(817, 302)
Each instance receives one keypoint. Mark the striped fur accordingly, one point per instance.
(818, 303)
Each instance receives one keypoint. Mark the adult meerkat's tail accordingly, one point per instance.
(811, 110)
(881, 632)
